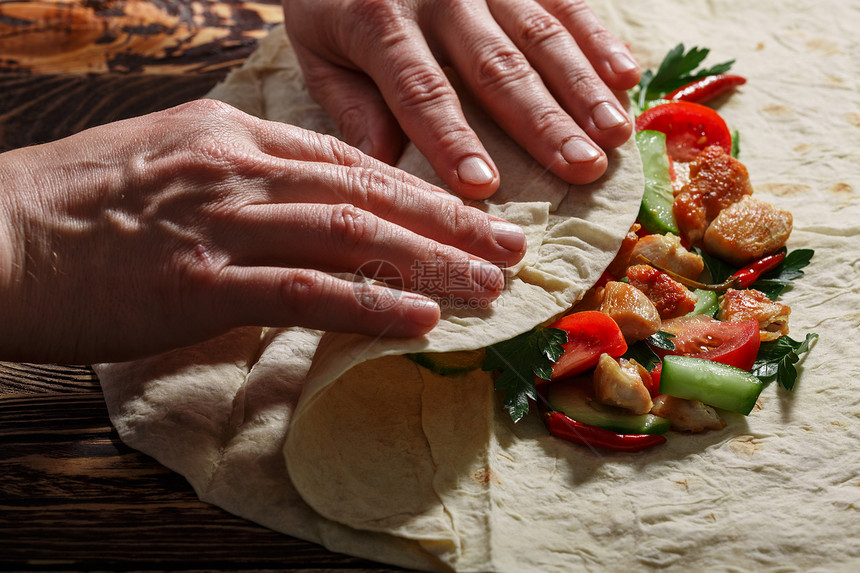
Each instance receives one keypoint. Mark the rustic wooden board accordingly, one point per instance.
(66, 65)
(74, 497)
(42, 108)
(121, 36)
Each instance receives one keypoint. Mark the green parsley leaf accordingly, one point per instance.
(774, 282)
(677, 69)
(718, 270)
(661, 340)
(776, 360)
(519, 360)
(642, 350)
(642, 353)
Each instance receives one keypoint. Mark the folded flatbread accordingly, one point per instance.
(341, 440)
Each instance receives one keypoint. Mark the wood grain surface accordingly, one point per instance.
(73, 497)
(66, 65)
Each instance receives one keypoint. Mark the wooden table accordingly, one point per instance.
(72, 495)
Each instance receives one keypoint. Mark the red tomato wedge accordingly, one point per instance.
(589, 334)
(700, 336)
(689, 128)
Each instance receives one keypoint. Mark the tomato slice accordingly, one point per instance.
(700, 336)
(589, 334)
(689, 128)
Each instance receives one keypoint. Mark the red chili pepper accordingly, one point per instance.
(562, 426)
(750, 273)
(707, 88)
(604, 278)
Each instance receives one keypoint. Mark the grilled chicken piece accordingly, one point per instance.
(667, 252)
(772, 316)
(747, 230)
(620, 384)
(716, 181)
(687, 415)
(622, 259)
(669, 296)
(632, 311)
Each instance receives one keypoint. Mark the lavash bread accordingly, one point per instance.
(391, 462)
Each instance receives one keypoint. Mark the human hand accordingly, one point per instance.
(546, 70)
(165, 230)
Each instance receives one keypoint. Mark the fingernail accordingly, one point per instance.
(577, 150)
(487, 275)
(475, 171)
(508, 235)
(421, 310)
(607, 116)
(622, 63)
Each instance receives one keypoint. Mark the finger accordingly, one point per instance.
(356, 106)
(557, 57)
(507, 85)
(299, 297)
(343, 238)
(609, 56)
(428, 109)
(391, 195)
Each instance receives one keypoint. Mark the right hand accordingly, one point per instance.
(165, 230)
(547, 71)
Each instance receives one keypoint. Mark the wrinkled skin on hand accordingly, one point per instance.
(547, 71)
(168, 229)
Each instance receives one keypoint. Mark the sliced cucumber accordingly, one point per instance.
(707, 303)
(655, 213)
(713, 383)
(448, 363)
(574, 401)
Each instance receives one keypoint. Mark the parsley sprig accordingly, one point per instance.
(776, 360)
(519, 360)
(677, 69)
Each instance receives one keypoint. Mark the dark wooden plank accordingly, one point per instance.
(73, 496)
(18, 378)
(38, 109)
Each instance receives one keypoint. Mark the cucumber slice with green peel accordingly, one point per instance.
(707, 303)
(655, 212)
(449, 363)
(713, 383)
(574, 401)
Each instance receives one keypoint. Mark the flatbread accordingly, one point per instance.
(390, 462)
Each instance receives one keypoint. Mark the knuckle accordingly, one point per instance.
(501, 64)
(340, 152)
(351, 225)
(350, 116)
(196, 270)
(538, 30)
(546, 119)
(573, 10)
(422, 85)
(370, 188)
(451, 137)
(304, 292)
(581, 81)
